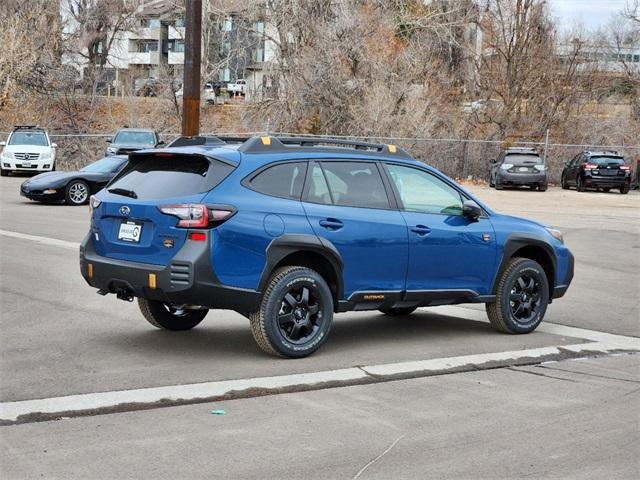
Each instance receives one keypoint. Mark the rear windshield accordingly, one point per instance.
(607, 160)
(519, 158)
(156, 177)
(37, 139)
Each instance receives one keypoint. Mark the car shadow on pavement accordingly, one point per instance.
(352, 332)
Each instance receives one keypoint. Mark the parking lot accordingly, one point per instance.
(88, 386)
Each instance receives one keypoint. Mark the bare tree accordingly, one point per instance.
(92, 28)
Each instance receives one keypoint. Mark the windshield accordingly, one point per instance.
(106, 165)
(38, 139)
(607, 160)
(521, 158)
(137, 138)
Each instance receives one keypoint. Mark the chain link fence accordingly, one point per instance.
(464, 159)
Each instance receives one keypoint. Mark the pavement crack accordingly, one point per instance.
(538, 374)
(371, 462)
(589, 374)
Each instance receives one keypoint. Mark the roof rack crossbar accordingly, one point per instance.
(268, 144)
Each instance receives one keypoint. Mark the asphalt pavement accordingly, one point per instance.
(512, 419)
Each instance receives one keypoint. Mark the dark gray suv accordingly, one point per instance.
(127, 140)
(518, 166)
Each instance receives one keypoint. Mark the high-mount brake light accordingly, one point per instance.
(162, 154)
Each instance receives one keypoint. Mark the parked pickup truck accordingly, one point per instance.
(237, 88)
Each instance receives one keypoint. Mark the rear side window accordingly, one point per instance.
(284, 180)
(159, 177)
(355, 184)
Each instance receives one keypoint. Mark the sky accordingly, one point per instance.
(590, 13)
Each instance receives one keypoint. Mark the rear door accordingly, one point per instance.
(128, 225)
(348, 205)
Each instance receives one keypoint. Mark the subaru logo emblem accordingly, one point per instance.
(124, 210)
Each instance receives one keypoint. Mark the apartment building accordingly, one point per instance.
(152, 49)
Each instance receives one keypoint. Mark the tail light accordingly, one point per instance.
(197, 215)
(626, 168)
(590, 166)
(93, 204)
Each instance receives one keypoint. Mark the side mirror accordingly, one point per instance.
(108, 139)
(161, 142)
(54, 145)
(471, 210)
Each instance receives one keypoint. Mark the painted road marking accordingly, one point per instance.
(42, 240)
(124, 399)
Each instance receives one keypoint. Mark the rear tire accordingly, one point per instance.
(624, 190)
(580, 184)
(4, 173)
(295, 314)
(522, 296)
(398, 312)
(77, 193)
(542, 188)
(170, 317)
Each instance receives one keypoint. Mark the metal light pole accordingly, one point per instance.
(192, 56)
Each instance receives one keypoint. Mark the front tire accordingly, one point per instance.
(522, 296)
(295, 314)
(398, 312)
(563, 182)
(170, 317)
(77, 193)
(4, 173)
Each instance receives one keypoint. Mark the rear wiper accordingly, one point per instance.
(123, 191)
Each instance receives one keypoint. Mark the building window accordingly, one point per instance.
(179, 22)
(179, 46)
(226, 75)
(148, 46)
(259, 27)
(228, 24)
(150, 23)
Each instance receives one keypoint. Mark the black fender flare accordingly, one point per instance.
(515, 242)
(287, 244)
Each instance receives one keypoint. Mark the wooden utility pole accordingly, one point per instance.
(192, 57)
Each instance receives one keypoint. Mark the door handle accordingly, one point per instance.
(331, 224)
(421, 230)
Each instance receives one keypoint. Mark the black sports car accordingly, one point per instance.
(74, 188)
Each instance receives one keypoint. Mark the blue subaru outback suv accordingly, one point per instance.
(288, 231)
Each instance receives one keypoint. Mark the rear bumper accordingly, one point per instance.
(603, 181)
(506, 178)
(188, 279)
(561, 289)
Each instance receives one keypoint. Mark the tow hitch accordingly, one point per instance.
(123, 293)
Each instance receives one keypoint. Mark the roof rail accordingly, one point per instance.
(27, 127)
(269, 144)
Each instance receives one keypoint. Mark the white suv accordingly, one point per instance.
(28, 149)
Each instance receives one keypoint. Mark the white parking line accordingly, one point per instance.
(11, 411)
(43, 240)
